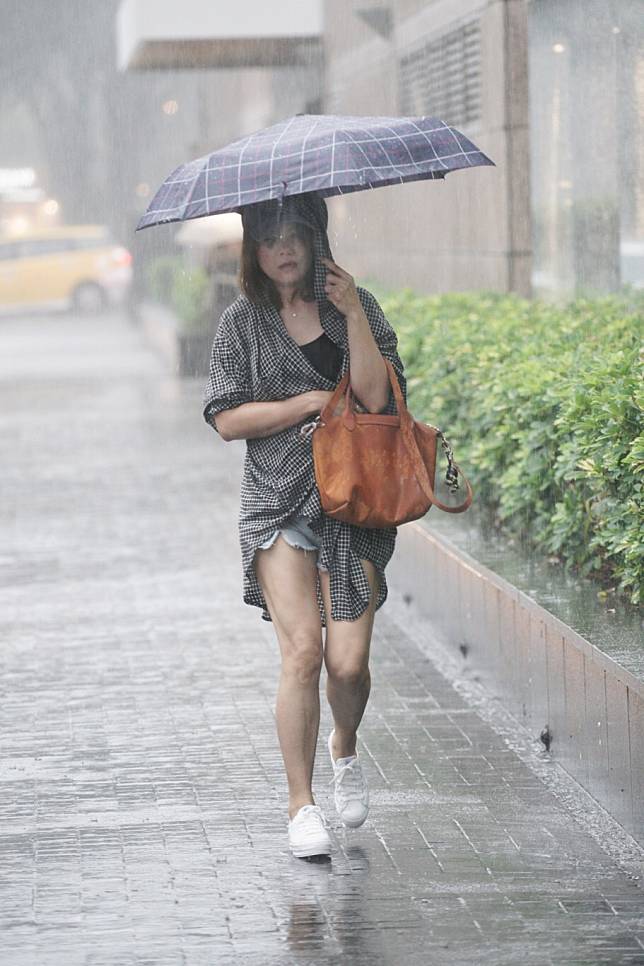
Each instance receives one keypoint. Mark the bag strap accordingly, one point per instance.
(341, 388)
(409, 439)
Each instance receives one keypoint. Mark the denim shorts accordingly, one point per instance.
(298, 534)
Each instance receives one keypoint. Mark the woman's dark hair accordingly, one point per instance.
(257, 286)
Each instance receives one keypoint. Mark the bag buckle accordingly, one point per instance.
(307, 430)
(451, 473)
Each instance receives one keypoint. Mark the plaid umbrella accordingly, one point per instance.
(324, 153)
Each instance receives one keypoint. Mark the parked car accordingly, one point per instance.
(76, 266)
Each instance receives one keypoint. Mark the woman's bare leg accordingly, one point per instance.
(288, 578)
(346, 655)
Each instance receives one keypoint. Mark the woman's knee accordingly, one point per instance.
(347, 672)
(302, 656)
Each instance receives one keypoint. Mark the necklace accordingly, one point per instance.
(289, 309)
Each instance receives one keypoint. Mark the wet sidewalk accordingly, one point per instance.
(142, 805)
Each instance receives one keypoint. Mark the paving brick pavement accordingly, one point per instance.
(142, 805)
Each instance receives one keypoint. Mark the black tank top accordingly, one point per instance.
(324, 355)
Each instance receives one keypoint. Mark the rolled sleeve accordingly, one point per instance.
(228, 384)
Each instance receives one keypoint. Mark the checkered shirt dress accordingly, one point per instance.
(254, 359)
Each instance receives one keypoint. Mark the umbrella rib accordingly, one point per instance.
(370, 163)
(333, 156)
(376, 167)
(275, 143)
(235, 195)
(465, 153)
(458, 144)
(424, 134)
(399, 137)
(234, 164)
(364, 153)
(313, 177)
(239, 166)
(303, 151)
(188, 200)
(356, 144)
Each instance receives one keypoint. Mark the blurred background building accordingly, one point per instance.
(552, 90)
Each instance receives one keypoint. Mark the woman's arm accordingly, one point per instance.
(369, 379)
(254, 420)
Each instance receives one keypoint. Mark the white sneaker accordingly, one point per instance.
(307, 832)
(351, 792)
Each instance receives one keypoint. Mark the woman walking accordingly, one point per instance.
(279, 351)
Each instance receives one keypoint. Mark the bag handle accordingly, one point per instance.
(409, 439)
(341, 388)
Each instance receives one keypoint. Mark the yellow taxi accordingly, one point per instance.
(74, 266)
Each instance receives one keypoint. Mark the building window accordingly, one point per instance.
(442, 77)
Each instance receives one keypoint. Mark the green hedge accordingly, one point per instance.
(544, 406)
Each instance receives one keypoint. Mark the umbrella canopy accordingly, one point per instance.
(323, 153)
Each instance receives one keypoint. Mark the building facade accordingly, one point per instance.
(463, 61)
(551, 90)
(586, 76)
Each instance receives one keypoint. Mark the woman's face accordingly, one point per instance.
(285, 257)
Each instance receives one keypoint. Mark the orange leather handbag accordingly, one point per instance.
(374, 470)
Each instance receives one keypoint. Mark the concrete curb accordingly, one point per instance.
(558, 684)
